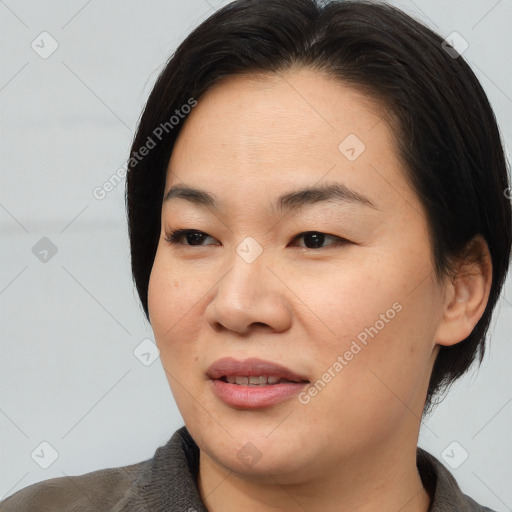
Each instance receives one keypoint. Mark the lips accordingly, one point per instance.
(228, 367)
(253, 383)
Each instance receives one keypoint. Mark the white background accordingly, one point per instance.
(68, 327)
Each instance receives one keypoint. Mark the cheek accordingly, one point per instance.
(379, 346)
(171, 302)
(374, 388)
(349, 306)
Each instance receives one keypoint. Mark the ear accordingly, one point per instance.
(467, 294)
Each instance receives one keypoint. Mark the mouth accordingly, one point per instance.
(253, 383)
(253, 372)
(261, 380)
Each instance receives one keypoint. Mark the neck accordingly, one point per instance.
(383, 480)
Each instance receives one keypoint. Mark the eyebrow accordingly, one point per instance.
(294, 200)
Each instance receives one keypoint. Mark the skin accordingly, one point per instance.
(353, 445)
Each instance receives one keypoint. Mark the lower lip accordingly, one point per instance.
(253, 397)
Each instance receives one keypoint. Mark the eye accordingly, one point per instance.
(194, 238)
(314, 239)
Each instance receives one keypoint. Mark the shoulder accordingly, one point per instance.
(166, 478)
(445, 493)
(92, 491)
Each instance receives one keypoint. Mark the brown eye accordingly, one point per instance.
(193, 237)
(315, 239)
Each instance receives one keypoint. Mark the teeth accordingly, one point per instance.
(258, 380)
(262, 380)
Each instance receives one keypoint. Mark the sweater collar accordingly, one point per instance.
(170, 479)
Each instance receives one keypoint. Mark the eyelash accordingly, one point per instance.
(174, 238)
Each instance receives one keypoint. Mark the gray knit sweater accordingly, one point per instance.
(167, 483)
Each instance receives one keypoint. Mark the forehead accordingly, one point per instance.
(292, 107)
(253, 133)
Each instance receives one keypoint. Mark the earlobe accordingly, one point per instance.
(467, 294)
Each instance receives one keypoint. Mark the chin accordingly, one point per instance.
(263, 465)
(256, 450)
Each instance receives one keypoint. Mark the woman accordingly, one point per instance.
(319, 234)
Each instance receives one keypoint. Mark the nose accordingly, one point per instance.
(249, 297)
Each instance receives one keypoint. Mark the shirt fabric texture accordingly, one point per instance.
(167, 483)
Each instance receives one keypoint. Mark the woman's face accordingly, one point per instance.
(350, 310)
